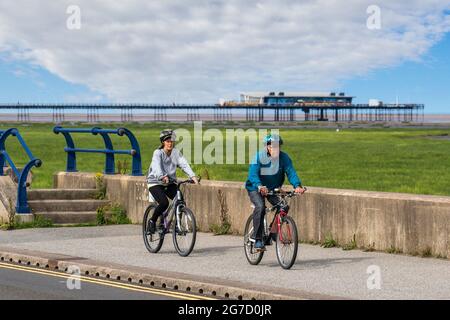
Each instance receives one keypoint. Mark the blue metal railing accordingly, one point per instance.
(22, 202)
(109, 151)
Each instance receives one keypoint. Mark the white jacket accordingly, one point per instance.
(164, 165)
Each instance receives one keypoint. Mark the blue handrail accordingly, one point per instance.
(109, 151)
(22, 201)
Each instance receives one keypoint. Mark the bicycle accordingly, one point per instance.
(184, 230)
(282, 229)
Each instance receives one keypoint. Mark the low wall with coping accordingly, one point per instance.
(407, 223)
(8, 193)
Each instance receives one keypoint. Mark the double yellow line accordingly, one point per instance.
(109, 283)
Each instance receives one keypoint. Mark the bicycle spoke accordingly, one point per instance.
(287, 243)
(153, 242)
(253, 256)
(184, 233)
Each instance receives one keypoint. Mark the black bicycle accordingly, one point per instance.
(184, 228)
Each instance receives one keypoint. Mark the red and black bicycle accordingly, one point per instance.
(282, 230)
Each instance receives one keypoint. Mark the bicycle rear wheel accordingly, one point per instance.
(153, 242)
(254, 257)
(185, 234)
(287, 243)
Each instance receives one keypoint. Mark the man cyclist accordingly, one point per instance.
(162, 173)
(267, 172)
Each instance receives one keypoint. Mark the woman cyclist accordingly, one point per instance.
(162, 174)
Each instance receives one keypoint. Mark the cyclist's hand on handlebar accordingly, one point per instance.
(263, 190)
(195, 180)
(165, 179)
(300, 190)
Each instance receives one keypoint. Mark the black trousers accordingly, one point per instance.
(260, 210)
(160, 194)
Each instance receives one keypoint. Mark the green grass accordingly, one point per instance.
(38, 222)
(394, 250)
(377, 159)
(350, 245)
(118, 215)
(329, 242)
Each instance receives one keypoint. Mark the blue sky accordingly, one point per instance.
(165, 51)
(21, 81)
(426, 81)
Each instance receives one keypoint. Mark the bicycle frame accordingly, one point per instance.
(174, 209)
(281, 210)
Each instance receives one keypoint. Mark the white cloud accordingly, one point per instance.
(201, 50)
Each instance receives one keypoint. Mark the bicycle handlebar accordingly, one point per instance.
(184, 181)
(279, 192)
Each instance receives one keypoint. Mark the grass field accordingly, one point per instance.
(379, 159)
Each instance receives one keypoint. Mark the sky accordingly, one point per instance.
(170, 51)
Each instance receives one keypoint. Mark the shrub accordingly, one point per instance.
(225, 225)
(351, 245)
(393, 249)
(329, 242)
(101, 219)
(38, 222)
(122, 166)
(118, 215)
(100, 186)
(220, 229)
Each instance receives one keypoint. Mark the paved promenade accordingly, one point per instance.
(332, 272)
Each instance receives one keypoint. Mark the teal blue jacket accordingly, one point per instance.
(265, 171)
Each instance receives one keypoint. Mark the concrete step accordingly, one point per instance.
(63, 206)
(60, 194)
(70, 217)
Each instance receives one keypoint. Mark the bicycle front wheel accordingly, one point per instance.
(253, 256)
(287, 243)
(184, 232)
(153, 241)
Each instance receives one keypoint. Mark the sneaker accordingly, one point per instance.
(151, 227)
(161, 229)
(259, 246)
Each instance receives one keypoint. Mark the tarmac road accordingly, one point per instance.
(18, 282)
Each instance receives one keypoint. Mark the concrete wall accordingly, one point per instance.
(8, 190)
(409, 223)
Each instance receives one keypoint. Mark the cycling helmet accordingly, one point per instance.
(166, 135)
(271, 138)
